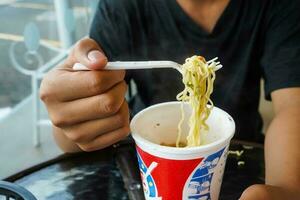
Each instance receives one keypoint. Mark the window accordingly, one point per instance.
(32, 41)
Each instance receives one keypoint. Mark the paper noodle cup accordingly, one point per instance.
(170, 173)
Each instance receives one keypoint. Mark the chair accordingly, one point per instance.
(13, 191)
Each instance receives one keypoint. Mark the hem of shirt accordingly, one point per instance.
(269, 90)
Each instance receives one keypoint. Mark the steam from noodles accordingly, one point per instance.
(198, 80)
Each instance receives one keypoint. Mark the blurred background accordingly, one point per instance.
(35, 36)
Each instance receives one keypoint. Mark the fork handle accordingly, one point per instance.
(118, 65)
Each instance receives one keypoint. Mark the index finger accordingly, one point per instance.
(72, 85)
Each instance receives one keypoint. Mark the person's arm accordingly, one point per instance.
(282, 144)
(282, 150)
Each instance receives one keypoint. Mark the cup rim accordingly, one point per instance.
(174, 150)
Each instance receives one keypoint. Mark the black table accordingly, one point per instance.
(112, 174)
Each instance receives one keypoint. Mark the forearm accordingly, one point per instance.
(63, 142)
(282, 149)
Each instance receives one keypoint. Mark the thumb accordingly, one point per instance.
(88, 53)
(96, 59)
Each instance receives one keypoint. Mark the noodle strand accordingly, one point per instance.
(198, 80)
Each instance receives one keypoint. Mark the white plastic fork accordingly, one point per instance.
(120, 65)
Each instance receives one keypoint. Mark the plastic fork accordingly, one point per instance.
(120, 65)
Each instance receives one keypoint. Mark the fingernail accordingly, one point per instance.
(95, 55)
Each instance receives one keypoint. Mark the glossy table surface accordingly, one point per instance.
(112, 174)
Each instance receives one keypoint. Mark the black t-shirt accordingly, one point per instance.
(253, 39)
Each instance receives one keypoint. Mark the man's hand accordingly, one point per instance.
(87, 108)
(266, 192)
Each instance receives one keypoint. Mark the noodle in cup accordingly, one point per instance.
(170, 173)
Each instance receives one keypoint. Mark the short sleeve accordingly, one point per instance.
(281, 53)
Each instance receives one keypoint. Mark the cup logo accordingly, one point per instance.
(149, 185)
(198, 186)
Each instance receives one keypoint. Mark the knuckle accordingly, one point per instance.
(126, 114)
(109, 104)
(48, 86)
(45, 92)
(59, 120)
(125, 108)
(124, 85)
(95, 83)
(125, 131)
(120, 119)
(87, 147)
(75, 136)
(81, 44)
(89, 41)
